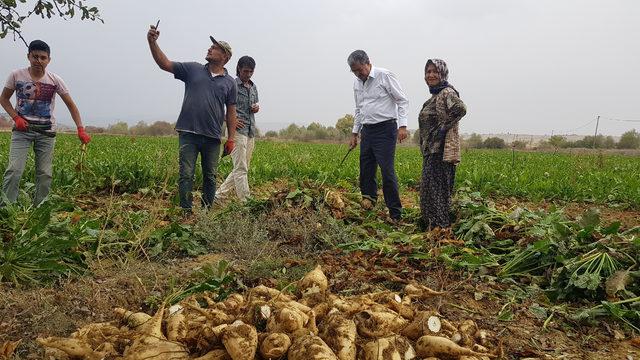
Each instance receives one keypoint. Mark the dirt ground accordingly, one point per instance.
(627, 218)
(58, 311)
(26, 313)
(138, 284)
(523, 336)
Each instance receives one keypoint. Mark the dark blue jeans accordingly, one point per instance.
(209, 149)
(378, 148)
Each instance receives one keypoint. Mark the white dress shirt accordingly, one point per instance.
(379, 99)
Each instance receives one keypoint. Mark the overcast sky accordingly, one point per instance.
(529, 67)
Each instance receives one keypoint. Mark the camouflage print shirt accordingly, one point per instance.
(442, 111)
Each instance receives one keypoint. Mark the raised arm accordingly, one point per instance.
(161, 59)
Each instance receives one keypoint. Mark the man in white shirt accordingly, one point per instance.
(381, 119)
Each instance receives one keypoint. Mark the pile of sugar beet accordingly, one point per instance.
(265, 323)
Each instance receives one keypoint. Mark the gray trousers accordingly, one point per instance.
(21, 142)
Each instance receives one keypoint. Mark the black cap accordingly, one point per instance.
(39, 45)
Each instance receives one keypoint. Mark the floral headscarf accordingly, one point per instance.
(442, 69)
(441, 66)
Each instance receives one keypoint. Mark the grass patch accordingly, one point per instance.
(268, 243)
(36, 245)
(277, 272)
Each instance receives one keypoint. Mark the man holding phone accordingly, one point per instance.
(209, 100)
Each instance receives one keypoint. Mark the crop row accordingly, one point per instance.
(129, 164)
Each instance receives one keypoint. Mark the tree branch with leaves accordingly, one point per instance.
(13, 13)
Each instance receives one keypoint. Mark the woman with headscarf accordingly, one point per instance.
(440, 144)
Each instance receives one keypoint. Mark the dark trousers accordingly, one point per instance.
(378, 148)
(436, 189)
(209, 149)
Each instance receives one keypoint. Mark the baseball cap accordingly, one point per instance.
(39, 45)
(223, 44)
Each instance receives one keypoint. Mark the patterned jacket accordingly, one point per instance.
(442, 112)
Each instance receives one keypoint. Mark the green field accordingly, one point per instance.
(114, 206)
(129, 164)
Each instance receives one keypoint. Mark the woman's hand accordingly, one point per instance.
(442, 134)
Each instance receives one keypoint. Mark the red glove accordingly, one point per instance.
(83, 136)
(228, 147)
(21, 123)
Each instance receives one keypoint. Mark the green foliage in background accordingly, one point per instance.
(123, 164)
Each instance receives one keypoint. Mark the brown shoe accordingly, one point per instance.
(188, 218)
(367, 204)
(396, 222)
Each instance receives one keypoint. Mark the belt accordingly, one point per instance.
(39, 130)
(381, 123)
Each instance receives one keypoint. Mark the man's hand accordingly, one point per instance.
(228, 147)
(158, 56)
(255, 108)
(354, 141)
(83, 136)
(21, 123)
(153, 34)
(402, 133)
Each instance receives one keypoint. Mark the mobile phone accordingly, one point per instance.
(158, 23)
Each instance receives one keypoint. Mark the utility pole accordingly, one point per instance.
(596, 135)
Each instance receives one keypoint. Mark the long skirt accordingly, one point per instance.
(436, 189)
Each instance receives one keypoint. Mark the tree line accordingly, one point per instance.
(628, 140)
(157, 128)
(342, 130)
(315, 131)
